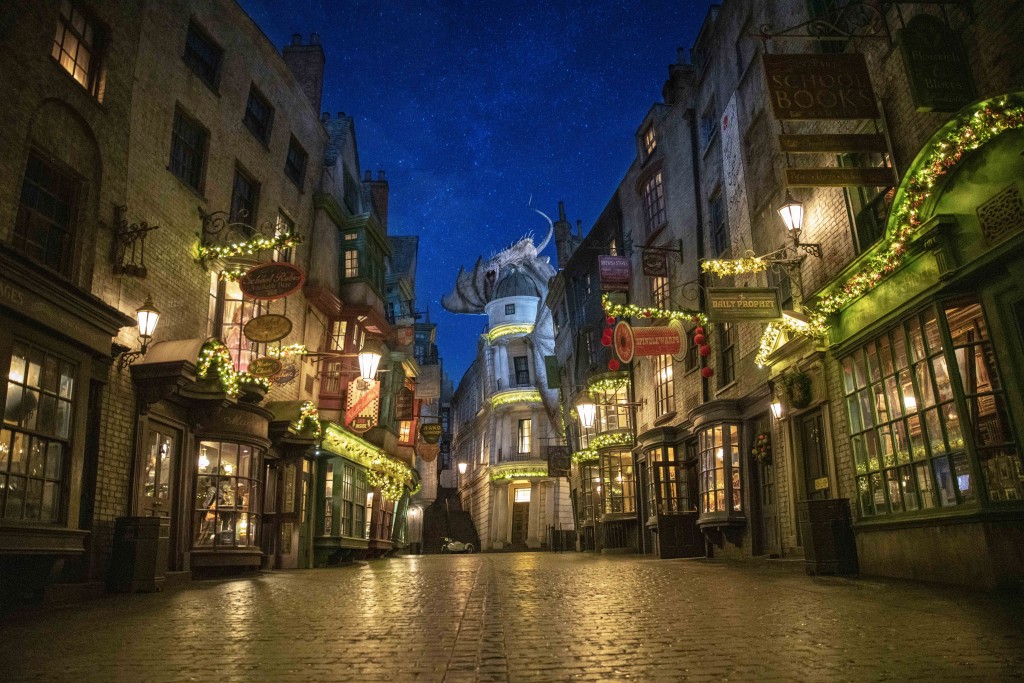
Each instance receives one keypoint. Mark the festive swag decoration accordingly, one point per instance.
(584, 456)
(215, 358)
(249, 247)
(309, 418)
(969, 132)
(233, 274)
(383, 472)
(615, 310)
(610, 385)
(518, 474)
(519, 396)
(762, 450)
(287, 351)
(500, 331)
(740, 266)
(611, 439)
(774, 330)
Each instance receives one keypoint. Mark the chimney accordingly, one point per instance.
(379, 196)
(306, 62)
(564, 246)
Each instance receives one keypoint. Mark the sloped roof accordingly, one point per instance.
(403, 258)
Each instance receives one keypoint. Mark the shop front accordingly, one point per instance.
(199, 465)
(930, 364)
(295, 433)
(669, 494)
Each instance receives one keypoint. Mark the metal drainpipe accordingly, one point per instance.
(691, 118)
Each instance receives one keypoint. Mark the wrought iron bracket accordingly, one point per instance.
(124, 356)
(130, 244)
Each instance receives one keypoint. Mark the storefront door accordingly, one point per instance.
(520, 517)
(160, 462)
(811, 433)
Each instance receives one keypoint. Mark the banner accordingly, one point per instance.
(362, 405)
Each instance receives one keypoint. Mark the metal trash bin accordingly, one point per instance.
(829, 543)
(138, 558)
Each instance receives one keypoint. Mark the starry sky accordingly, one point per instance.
(473, 107)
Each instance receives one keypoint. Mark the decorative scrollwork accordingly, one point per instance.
(223, 237)
(856, 19)
(129, 244)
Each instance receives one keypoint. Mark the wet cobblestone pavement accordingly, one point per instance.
(526, 617)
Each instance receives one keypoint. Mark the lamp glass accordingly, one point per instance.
(462, 468)
(792, 213)
(369, 359)
(587, 411)
(777, 409)
(148, 317)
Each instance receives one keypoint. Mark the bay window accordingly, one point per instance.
(227, 497)
(617, 482)
(720, 477)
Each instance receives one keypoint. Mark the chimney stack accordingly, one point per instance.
(306, 62)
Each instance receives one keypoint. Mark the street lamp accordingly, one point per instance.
(369, 358)
(777, 409)
(147, 316)
(792, 213)
(586, 410)
(462, 468)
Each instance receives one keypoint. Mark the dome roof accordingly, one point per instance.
(516, 283)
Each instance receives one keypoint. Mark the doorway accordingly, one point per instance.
(155, 496)
(811, 436)
(520, 521)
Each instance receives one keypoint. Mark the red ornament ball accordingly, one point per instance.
(698, 330)
(707, 372)
(698, 339)
(704, 350)
(606, 341)
(613, 365)
(610, 320)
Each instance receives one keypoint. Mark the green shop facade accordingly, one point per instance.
(924, 370)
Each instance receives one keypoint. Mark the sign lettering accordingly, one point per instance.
(267, 328)
(822, 86)
(272, 281)
(837, 143)
(264, 367)
(655, 263)
(727, 304)
(616, 273)
(874, 176)
(362, 404)
(940, 77)
(631, 341)
(431, 432)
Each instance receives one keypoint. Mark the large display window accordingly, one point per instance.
(617, 482)
(720, 476)
(922, 399)
(227, 496)
(666, 482)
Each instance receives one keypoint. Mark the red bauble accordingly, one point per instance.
(704, 350)
(698, 330)
(613, 365)
(706, 372)
(610, 320)
(606, 341)
(698, 339)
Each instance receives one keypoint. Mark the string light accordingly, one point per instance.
(215, 358)
(287, 351)
(741, 266)
(518, 474)
(632, 311)
(250, 247)
(500, 331)
(584, 456)
(309, 418)
(519, 396)
(611, 385)
(611, 439)
(384, 472)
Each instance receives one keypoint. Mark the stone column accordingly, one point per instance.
(501, 365)
(534, 534)
(499, 516)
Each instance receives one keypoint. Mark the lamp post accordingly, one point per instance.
(792, 214)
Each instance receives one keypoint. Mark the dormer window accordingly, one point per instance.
(650, 140)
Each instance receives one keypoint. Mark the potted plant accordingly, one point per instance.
(798, 388)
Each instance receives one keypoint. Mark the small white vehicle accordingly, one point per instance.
(451, 546)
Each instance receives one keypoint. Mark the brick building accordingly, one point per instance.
(157, 155)
(918, 227)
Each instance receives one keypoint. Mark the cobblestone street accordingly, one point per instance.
(526, 617)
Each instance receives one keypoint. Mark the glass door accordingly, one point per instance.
(160, 458)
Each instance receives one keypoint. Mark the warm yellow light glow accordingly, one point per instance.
(148, 317)
(587, 412)
(204, 462)
(777, 409)
(792, 213)
(369, 359)
(462, 467)
(720, 454)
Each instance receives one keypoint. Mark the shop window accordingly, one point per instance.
(914, 404)
(75, 46)
(351, 263)
(284, 226)
(726, 354)
(405, 431)
(188, 150)
(522, 370)
(259, 115)
(617, 480)
(720, 479)
(245, 193)
(202, 55)
(295, 163)
(45, 224)
(227, 496)
(329, 500)
(868, 206)
(590, 492)
(654, 204)
(659, 292)
(612, 412)
(525, 436)
(36, 434)
(664, 387)
(666, 482)
(362, 501)
(237, 311)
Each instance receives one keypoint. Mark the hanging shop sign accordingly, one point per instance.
(404, 404)
(629, 341)
(287, 374)
(559, 461)
(837, 143)
(731, 304)
(404, 335)
(940, 77)
(428, 451)
(553, 372)
(873, 176)
(267, 328)
(430, 432)
(616, 273)
(264, 367)
(362, 406)
(272, 281)
(820, 86)
(655, 263)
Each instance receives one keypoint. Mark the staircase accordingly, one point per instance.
(445, 517)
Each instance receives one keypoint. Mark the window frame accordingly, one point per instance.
(294, 171)
(251, 213)
(94, 45)
(181, 116)
(261, 128)
(719, 218)
(655, 212)
(28, 216)
(524, 436)
(664, 386)
(711, 478)
(726, 354)
(220, 503)
(617, 466)
(196, 62)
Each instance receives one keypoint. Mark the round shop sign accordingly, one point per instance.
(265, 367)
(272, 281)
(428, 451)
(430, 431)
(622, 341)
(267, 328)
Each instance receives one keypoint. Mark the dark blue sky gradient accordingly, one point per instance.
(472, 107)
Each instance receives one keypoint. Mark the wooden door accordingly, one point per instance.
(813, 452)
(520, 519)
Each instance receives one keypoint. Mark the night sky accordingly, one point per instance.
(473, 107)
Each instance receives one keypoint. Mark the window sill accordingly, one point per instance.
(92, 97)
(665, 419)
(213, 87)
(721, 519)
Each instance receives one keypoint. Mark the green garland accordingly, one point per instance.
(584, 456)
(287, 351)
(610, 385)
(215, 358)
(632, 311)
(250, 247)
(522, 396)
(309, 417)
(518, 474)
(384, 472)
(611, 439)
(507, 329)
